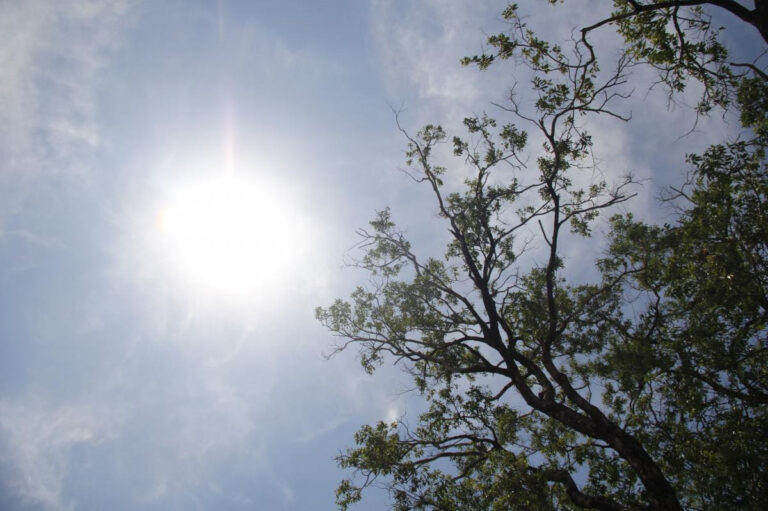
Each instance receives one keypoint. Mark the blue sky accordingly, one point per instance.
(128, 380)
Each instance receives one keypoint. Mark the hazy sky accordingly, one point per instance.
(137, 370)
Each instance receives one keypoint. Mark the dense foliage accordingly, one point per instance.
(644, 389)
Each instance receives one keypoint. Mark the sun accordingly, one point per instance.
(230, 234)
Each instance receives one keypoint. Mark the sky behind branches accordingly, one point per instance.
(128, 381)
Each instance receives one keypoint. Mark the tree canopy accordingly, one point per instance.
(646, 388)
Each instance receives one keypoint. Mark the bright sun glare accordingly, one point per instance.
(231, 235)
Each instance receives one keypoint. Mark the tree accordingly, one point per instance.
(645, 389)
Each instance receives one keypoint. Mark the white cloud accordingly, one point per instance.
(420, 45)
(51, 56)
(37, 438)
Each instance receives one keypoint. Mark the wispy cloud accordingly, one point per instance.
(37, 438)
(420, 44)
(51, 56)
